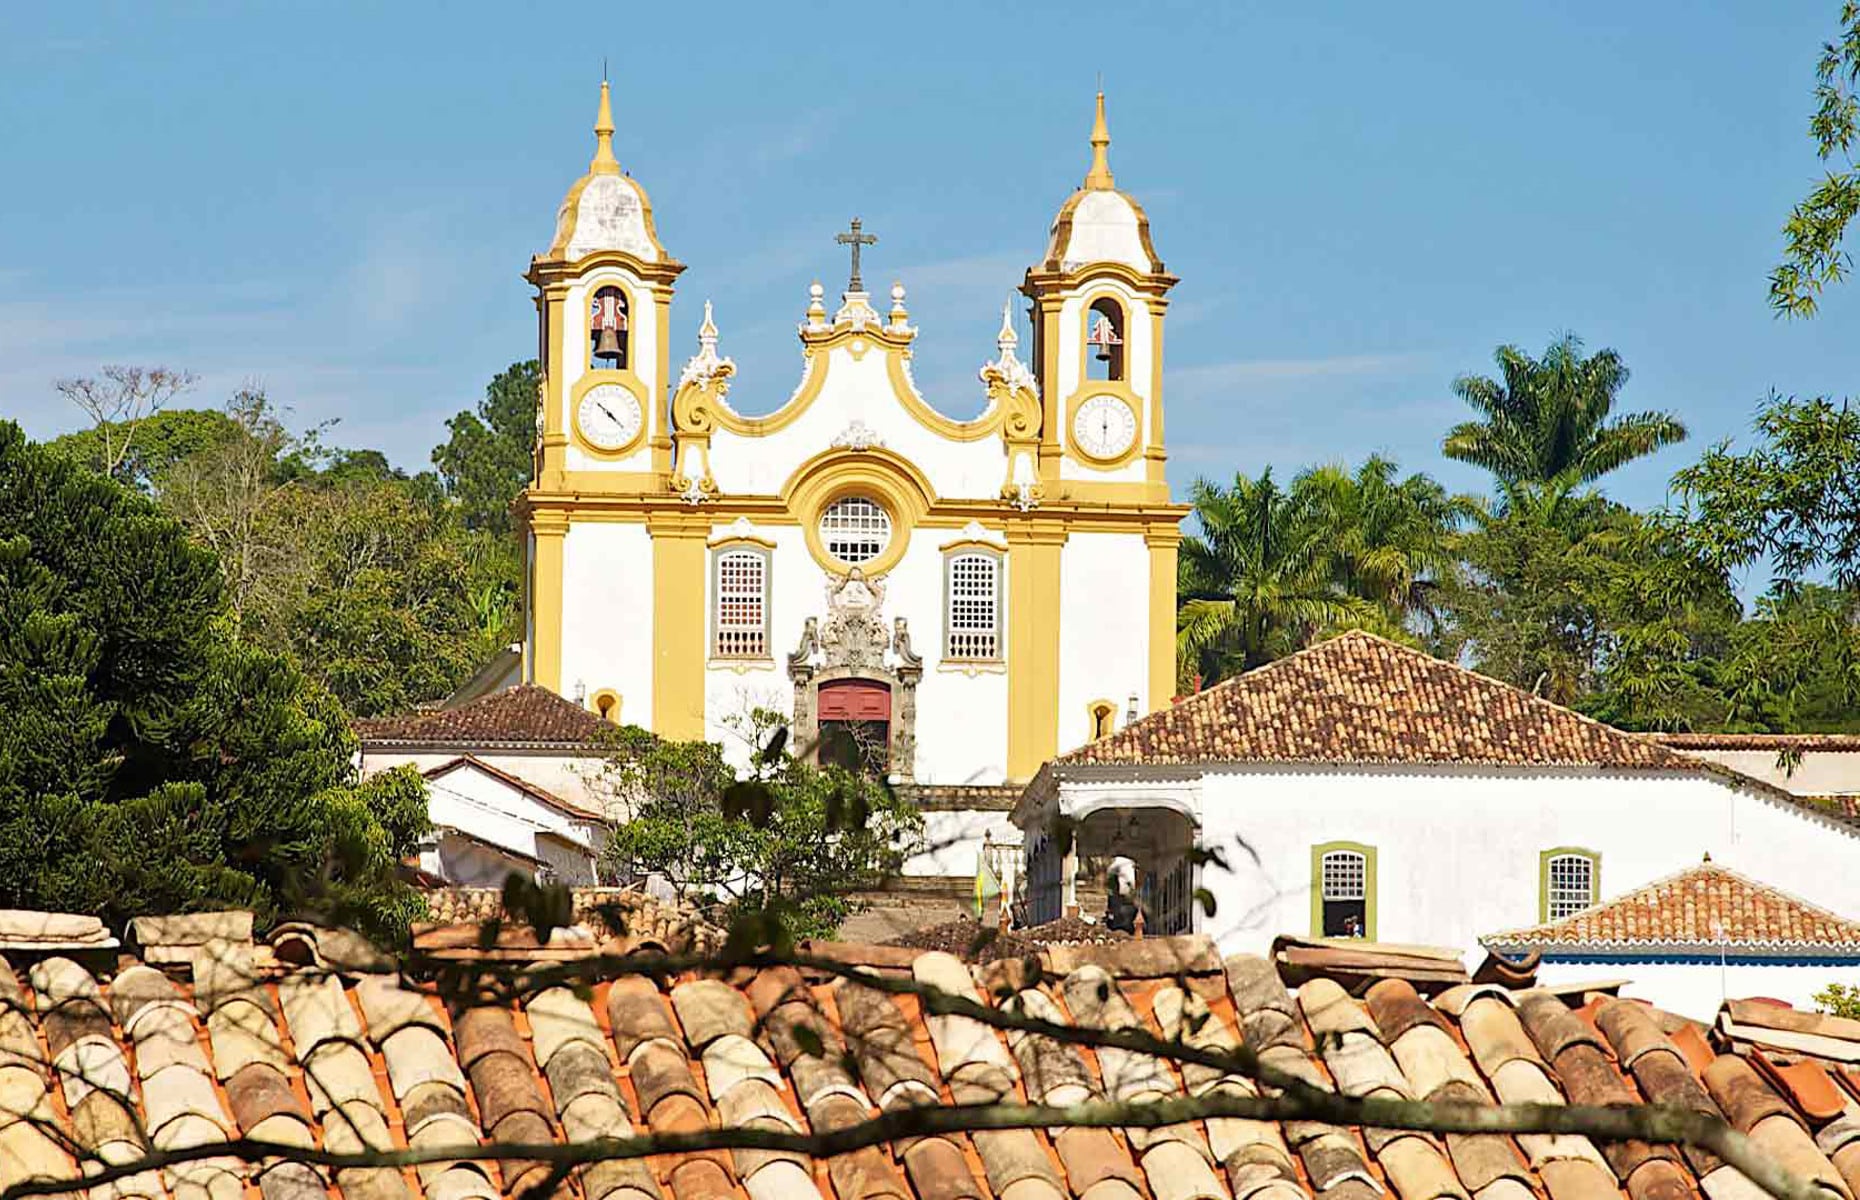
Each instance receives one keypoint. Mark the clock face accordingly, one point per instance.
(1104, 427)
(608, 416)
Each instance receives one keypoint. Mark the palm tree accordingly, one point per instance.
(1545, 426)
(1392, 541)
(1257, 581)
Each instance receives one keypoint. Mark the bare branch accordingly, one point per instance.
(121, 400)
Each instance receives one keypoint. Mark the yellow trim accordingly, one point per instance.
(886, 477)
(612, 714)
(972, 543)
(1155, 450)
(1033, 645)
(1163, 543)
(1369, 885)
(1084, 506)
(634, 387)
(1543, 875)
(1098, 709)
(678, 620)
(905, 389)
(549, 531)
(726, 539)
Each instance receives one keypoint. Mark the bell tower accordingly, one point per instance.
(603, 298)
(603, 302)
(1098, 302)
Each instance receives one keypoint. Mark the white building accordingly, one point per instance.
(1695, 939)
(1360, 787)
(1822, 766)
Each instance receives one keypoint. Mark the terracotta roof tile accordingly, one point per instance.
(1703, 906)
(382, 1064)
(1358, 698)
(1819, 742)
(526, 715)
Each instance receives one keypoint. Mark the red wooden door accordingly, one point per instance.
(855, 700)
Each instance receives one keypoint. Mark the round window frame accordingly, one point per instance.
(881, 555)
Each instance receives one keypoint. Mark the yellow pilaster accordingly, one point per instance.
(1033, 645)
(678, 624)
(549, 529)
(554, 431)
(1162, 541)
(661, 400)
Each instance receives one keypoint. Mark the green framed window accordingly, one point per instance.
(1569, 879)
(1343, 890)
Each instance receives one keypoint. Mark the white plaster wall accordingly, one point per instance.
(490, 809)
(607, 614)
(1697, 989)
(1820, 773)
(961, 715)
(1457, 849)
(464, 863)
(574, 778)
(643, 318)
(856, 389)
(1104, 641)
(953, 841)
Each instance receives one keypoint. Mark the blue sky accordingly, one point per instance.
(1362, 201)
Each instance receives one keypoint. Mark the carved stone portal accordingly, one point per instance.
(853, 642)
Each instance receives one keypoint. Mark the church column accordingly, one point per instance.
(1033, 645)
(553, 303)
(678, 619)
(660, 432)
(548, 529)
(1163, 540)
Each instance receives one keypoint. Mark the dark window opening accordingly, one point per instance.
(609, 331)
(1345, 918)
(1104, 340)
(859, 746)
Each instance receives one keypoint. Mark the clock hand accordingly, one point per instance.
(608, 411)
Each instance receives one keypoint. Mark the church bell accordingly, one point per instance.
(607, 345)
(607, 314)
(1104, 336)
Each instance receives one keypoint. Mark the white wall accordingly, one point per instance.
(1820, 773)
(1697, 989)
(1458, 849)
(607, 614)
(953, 840)
(1104, 629)
(491, 809)
(574, 778)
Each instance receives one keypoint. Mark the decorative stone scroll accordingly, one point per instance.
(854, 642)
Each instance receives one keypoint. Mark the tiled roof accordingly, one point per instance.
(1358, 698)
(540, 795)
(960, 797)
(524, 716)
(1818, 742)
(1705, 906)
(314, 1041)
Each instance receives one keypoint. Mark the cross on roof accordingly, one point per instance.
(856, 239)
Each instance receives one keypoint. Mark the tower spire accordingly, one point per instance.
(604, 161)
(1099, 177)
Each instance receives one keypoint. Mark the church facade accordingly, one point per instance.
(949, 602)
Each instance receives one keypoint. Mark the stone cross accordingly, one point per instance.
(854, 238)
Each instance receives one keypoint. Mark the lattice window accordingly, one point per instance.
(972, 628)
(855, 529)
(742, 605)
(1343, 882)
(1570, 884)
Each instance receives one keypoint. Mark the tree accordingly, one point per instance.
(1544, 426)
(487, 459)
(789, 843)
(1793, 499)
(151, 760)
(1813, 254)
(117, 401)
(160, 440)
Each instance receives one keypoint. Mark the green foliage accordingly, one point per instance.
(151, 760)
(1793, 499)
(1545, 426)
(155, 444)
(1813, 254)
(779, 852)
(487, 459)
(1839, 1000)
(1273, 569)
(364, 574)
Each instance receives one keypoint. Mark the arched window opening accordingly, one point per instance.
(1569, 883)
(609, 331)
(607, 704)
(1104, 339)
(1344, 891)
(1103, 719)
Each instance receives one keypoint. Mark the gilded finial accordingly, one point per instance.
(604, 161)
(1007, 337)
(1099, 177)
